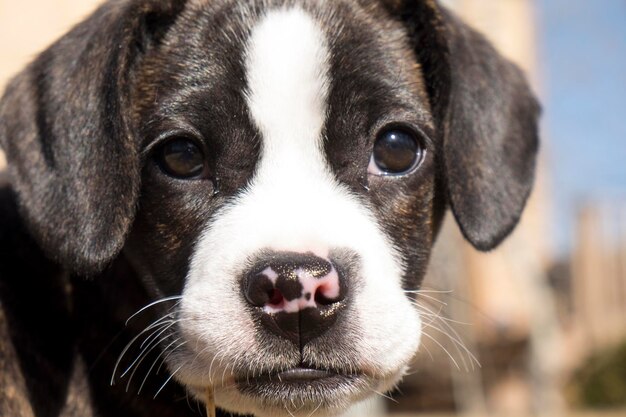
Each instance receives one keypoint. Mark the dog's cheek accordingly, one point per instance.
(410, 211)
(390, 325)
(170, 218)
(407, 211)
(223, 339)
(213, 320)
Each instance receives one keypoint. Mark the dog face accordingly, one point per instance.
(283, 167)
(291, 186)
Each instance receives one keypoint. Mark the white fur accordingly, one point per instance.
(294, 203)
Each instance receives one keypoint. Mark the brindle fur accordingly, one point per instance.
(82, 193)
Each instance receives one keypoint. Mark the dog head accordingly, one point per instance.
(281, 166)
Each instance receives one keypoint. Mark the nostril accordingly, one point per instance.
(293, 282)
(275, 297)
(321, 298)
(259, 290)
(296, 296)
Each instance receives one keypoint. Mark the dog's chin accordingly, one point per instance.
(299, 391)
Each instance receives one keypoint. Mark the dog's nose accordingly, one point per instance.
(299, 295)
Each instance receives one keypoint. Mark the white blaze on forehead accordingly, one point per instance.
(294, 203)
(287, 72)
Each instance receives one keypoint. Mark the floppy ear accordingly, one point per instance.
(487, 117)
(64, 125)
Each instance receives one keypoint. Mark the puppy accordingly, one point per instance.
(244, 195)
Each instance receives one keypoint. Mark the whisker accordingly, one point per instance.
(432, 358)
(457, 342)
(150, 346)
(288, 411)
(316, 408)
(390, 398)
(427, 311)
(444, 349)
(457, 338)
(465, 301)
(295, 407)
(166, 381)
(162, 300)
(157, 323)
(409, 372)
(195, 358)
(164, 361)
(155, 362)
(143, 356)
(155, 335)
(430, 297)
(422, 291)
(458, 350)
(226, 370)
(439, 317)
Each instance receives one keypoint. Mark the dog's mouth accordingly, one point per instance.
(306, 386)
(300, 378)
(302, 390)
(291, 376)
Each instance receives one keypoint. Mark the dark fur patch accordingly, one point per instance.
(79, 126)
(35, 314)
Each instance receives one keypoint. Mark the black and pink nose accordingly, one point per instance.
(298, 296)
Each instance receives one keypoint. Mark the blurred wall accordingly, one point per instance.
(28, 26)
(499, 305)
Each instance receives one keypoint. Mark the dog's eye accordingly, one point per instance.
(396, 151)
(181, 158)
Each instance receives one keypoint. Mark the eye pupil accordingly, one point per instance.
(396, 151)
(182, 158)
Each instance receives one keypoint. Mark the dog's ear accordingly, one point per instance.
(487, 117)
(64, 125)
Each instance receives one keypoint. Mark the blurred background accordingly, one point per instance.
(537, 327)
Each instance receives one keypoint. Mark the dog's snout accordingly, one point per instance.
(298, 296)
(291, 283)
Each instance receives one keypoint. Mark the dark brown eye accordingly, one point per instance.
(181, 158)
(396, 151)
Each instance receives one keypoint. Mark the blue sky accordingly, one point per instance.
(583, 65)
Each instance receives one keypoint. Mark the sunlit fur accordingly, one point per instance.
(293, 203)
